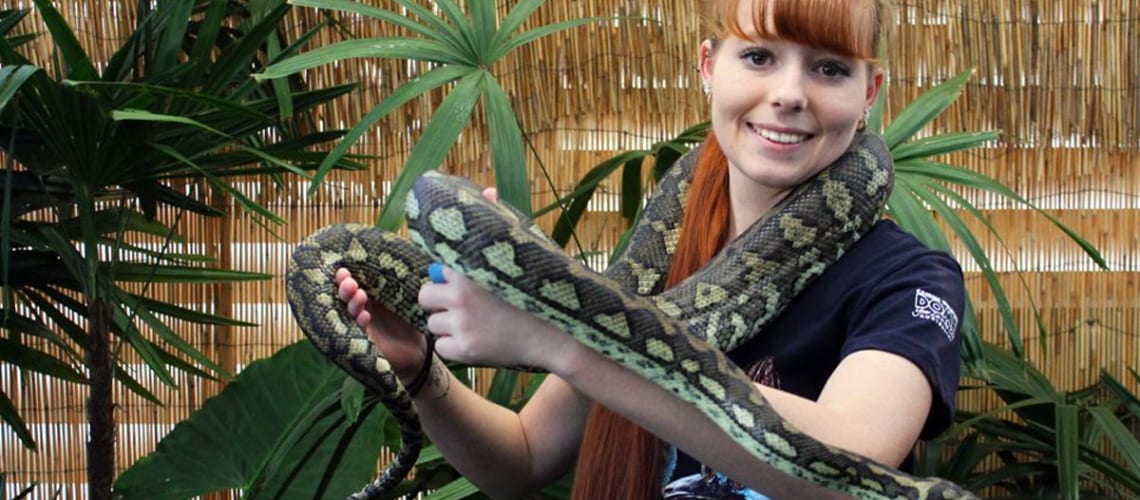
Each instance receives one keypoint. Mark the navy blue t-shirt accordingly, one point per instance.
(887, 293)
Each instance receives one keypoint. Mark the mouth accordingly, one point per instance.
(780, 137)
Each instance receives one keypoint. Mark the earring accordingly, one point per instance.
(707, 89)
(862, 124)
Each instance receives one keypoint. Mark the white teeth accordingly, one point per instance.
(780, 137)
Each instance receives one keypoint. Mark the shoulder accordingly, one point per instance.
(888, 257)
(889, 246)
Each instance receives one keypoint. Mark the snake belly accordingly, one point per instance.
(675, 338)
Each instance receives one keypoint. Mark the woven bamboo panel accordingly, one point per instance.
(1060, 78)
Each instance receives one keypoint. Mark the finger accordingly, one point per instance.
(341, 275)
(356, 302)
(347, 289)
(491, 194)
(451, 275)
(444, 348)
(435, 296)
(364, 319)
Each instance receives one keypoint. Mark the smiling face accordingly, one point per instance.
(782, 110)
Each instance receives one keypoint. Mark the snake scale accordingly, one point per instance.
(675, 338)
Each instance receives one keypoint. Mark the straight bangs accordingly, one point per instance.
(850, 28)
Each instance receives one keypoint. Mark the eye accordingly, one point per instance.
(833, 69)
(756, 56)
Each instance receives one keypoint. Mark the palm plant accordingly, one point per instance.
(459, 49)
(1043, 442)
(91, 157)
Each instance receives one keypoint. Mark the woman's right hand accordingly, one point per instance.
(402, 345)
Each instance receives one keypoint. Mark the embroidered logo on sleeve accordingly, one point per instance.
(931, 307)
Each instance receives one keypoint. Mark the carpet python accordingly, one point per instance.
(675, 338)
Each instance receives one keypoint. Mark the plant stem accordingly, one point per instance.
(100, 406)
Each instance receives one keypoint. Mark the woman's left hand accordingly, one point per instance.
(475, 327)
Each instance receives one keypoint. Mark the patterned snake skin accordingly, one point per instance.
(675, 338)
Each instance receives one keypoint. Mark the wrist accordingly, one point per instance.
(436, 382)
(420, 379)
(573, 357)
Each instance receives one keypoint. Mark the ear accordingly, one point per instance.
(705, 66)
(874, 85)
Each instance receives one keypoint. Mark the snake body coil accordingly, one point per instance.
(675, 338)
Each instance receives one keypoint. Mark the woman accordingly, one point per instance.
(866, 357)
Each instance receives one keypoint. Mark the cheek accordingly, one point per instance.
(840, 112)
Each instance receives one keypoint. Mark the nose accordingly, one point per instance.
(787, 92)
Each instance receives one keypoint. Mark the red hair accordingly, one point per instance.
(636, 472)
(619, 460)
(851, 28)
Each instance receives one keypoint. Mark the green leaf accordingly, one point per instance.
(511, 177)
(905, 208)
(163, 331)
(924, 109)
(207, 35)
(176, 16)
(393, 48)
(186, 314)
(153, 273)
(438, 137)
(518, 14)
(1004, 307)
(241, 198)
(123, 324)
(1068, 462)
(957, 175)
(582, 193)
(235, 60)
(79, 66)
(503, 385)
(428, 455)
(352, 398)
(258, 420)
(461, 25)
(369, 11)
(16, 322)
(631, 190)
(925, 190)
(446, 33)
(483, 24)
(419, 85)
(143, 115)
(1119, 435)
(12, 417)
(455, 490)
(542, 31)
(1130, 401)
(942, 144)
(27, 358)
(11, 79)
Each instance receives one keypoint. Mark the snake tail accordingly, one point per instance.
(390, 270)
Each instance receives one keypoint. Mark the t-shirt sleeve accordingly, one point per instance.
(915, 311)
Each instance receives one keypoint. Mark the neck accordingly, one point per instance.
(749, 203)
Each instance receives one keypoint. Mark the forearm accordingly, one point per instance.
(679, 422)
(506, 454)
(483, 441)
(839, 429)
(868, 389)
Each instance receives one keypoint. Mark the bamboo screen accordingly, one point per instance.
(1058, 77)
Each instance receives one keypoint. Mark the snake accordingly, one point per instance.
(674, 337)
